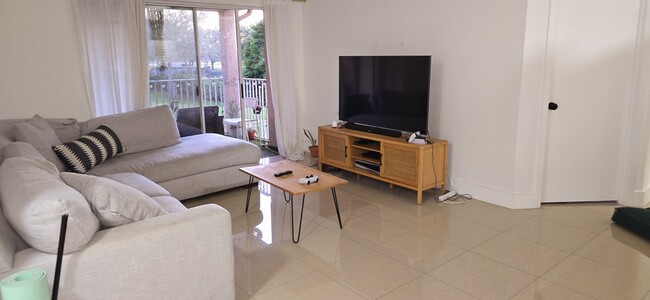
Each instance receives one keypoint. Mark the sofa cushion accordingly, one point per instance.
(113, 203)
(38, 132)
(66, 129)
(149, 188)
(22, 149)
(11, 243)
(169, 203)
(34, 197)
(4, 141)
(196, 154)
(90, 150)
(7, 129)
(139, 183)
(140, 130)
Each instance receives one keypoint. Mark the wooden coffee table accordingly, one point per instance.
(289, 184)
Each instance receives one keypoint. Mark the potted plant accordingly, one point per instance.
(313, 149)
(257, 109)
(251, 133)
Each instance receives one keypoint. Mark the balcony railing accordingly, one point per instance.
(184, 93)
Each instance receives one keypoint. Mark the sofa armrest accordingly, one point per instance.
(183, 255)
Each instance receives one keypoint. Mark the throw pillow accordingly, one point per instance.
(90, 150)
(33, 199)
(37, 132)
(113, 203)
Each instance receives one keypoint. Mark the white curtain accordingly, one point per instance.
(281, 64)
(111, 39)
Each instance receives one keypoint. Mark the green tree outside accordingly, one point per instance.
(253, 51)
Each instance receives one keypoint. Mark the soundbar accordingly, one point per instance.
(371, 129)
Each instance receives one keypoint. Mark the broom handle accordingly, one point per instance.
(59, 256)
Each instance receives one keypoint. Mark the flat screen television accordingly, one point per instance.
(385, 92)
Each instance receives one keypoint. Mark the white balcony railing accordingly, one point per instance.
(183, 93)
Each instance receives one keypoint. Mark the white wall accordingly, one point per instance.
(476, 49)
(39, 69)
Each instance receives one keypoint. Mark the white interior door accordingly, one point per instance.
(590, 66)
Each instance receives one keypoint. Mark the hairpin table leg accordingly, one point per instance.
(285, 196)
(248, 195)
(336, 204)
(293, 238)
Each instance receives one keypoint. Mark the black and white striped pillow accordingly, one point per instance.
(90, 150)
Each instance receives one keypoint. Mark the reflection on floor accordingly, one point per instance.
(391, 248)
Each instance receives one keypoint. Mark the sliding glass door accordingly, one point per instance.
(194, 66)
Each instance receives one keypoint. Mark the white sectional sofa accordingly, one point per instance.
(177, 254)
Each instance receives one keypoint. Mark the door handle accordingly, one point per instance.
(552, 106)
(345, 151)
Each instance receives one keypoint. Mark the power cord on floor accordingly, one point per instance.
(456, 199)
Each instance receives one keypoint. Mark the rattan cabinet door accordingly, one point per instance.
(399, 163)
(335, 149)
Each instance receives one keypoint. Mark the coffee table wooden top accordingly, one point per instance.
(289, 183)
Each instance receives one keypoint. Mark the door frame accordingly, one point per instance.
(195, 8)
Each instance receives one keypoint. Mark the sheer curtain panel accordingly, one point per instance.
(281, 65)
(111, 39)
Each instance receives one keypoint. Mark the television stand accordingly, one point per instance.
(372, 129)
(394, 161)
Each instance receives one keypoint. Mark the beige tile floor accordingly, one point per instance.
(391, 248)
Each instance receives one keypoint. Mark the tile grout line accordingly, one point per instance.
(541, 277)
(541, 219)
(574, 227)
(343, 284)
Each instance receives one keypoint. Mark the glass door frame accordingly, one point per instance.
(195, 8)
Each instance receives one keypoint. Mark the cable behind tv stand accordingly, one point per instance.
(372, 129)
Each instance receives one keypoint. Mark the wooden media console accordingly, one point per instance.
(388, 159)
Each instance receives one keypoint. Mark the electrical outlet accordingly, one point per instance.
(447, 195)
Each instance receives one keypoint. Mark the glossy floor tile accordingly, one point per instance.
(549, 233)
(427, 288)
(371, 274)
(521, 254)
(599, 280)
(314, 286)
(542, 289)
(391, 248)
(419, 251)
(482, 277)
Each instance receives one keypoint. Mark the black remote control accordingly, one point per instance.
(287, 172)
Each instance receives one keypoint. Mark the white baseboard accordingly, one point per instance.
(636, 199)
(496, 196)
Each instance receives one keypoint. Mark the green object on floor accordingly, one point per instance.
(27, 284)
(634, 219)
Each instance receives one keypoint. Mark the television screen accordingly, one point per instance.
(385, 91)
